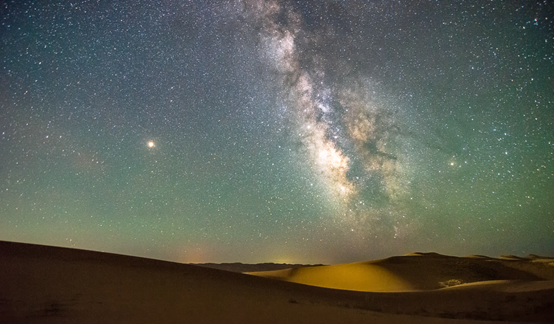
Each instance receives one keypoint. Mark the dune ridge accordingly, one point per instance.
(44, 284)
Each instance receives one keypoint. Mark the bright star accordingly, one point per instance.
(151, 144)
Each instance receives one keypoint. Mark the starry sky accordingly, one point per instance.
(278, 131)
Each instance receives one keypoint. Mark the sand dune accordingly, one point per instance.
(417, 271)
(41, 284)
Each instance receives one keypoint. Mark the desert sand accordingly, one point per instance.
(43, 284)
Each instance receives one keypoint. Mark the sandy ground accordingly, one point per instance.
(40, 284)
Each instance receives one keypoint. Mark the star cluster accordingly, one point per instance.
(284, 131)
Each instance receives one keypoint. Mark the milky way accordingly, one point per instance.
(278, 131)
(339, 124)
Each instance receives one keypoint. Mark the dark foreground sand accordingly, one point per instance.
(41, 284)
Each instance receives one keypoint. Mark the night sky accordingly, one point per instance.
(278, 131)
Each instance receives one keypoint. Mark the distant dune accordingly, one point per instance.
(42, 284)
(245, 267)
(418, 271)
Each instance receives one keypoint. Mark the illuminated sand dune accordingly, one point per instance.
(41, 284)
(418, 271)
